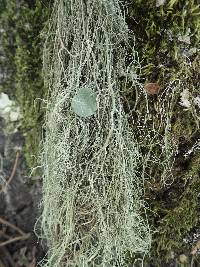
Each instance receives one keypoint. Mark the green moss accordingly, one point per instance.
(25, 79)
(8, 17)
(176, 216)
(168, 58)
(184, 125)
(157, 31)
(30, 89)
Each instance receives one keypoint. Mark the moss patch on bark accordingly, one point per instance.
(22, 45)
(167, 40)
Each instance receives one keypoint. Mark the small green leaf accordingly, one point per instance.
(84, 103)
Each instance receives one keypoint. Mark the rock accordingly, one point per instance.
(14, 115)
(5, 102)
(160, 3)
(8, 109)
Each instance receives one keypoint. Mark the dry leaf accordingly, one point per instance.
(152, 88)
(195, 248)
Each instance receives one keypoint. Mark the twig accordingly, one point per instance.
(7, 257)
(12, 173)
(2, 234)
(12, 226)
(22, 236)
(15, 239)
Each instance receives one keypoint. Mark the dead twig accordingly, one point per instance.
(22, 236)
(3, 234)
(8, 257)
(15, 239)
(12, 173)
(2, 221)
